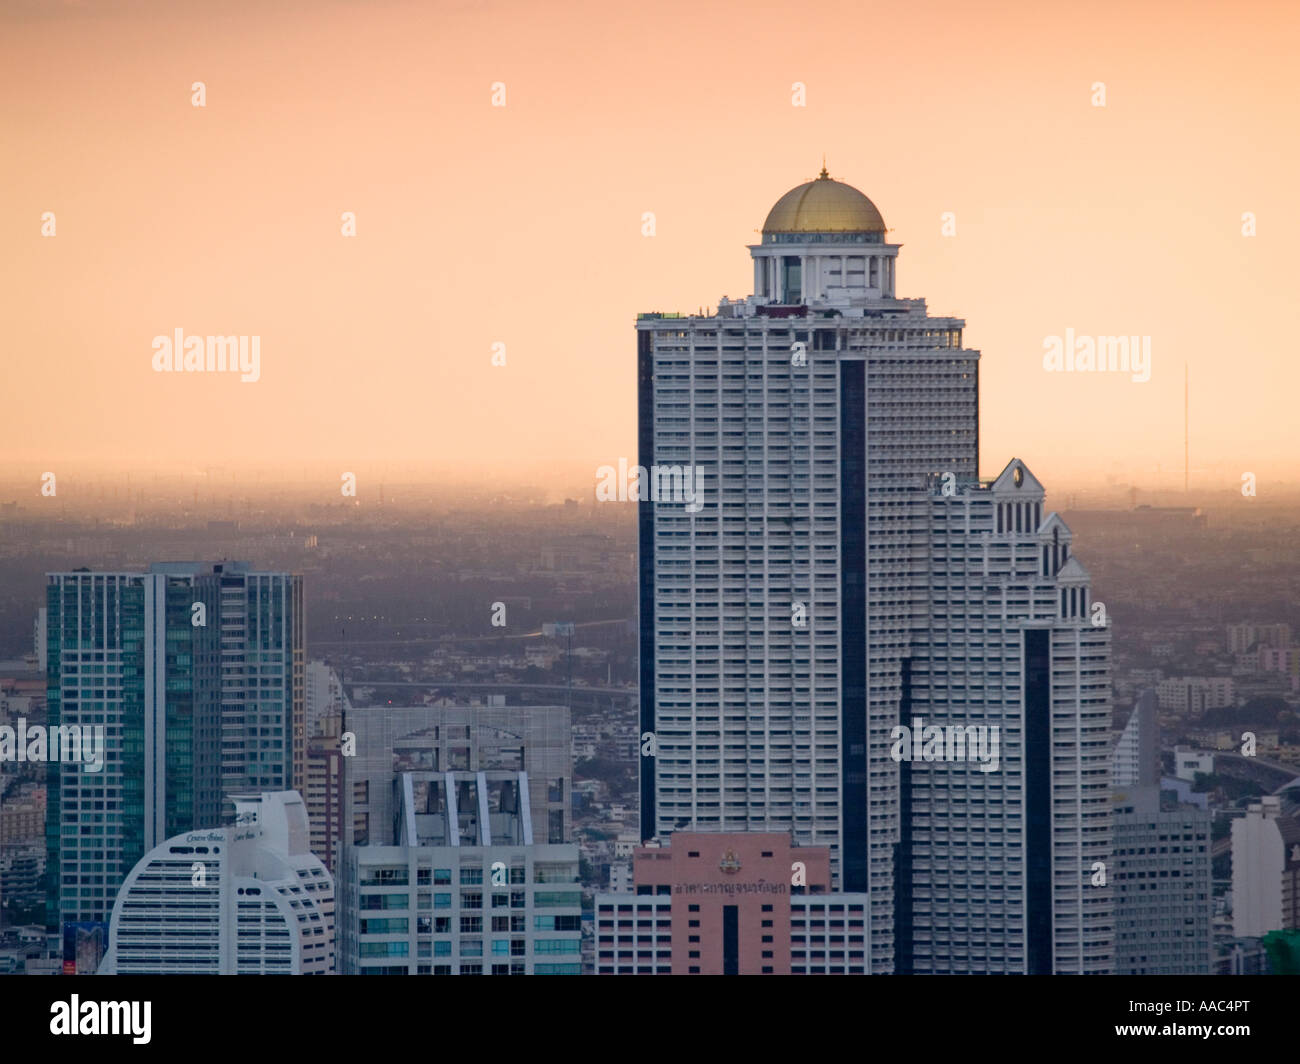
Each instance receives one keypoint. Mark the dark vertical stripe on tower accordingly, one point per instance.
(853, 624)
(1038, 800)
(903, 851)
(646, 574)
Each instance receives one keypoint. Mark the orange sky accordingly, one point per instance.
(522, 224)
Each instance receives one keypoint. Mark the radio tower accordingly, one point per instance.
(1186, 450)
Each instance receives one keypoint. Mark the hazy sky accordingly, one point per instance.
(522, 224)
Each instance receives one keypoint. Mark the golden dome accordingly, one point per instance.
(824, 206)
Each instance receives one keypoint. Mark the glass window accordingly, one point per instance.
(557, 945)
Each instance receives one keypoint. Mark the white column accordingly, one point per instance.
(758, 275)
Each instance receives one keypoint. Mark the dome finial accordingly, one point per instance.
(823, 176)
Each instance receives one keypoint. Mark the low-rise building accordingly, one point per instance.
(730, 904)
(1195, 694)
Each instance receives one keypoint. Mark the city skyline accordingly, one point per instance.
(662, 489)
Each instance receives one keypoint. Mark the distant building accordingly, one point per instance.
(1161, 880)
(22, 815)
(324, 792)
(39, 637)
(244, 900)
(1291, 888)
(325, 696)
(724, 904)
(1195, 694)
(1262, 844)
(22, 871)
(1285, 660)
(1188, 763)
(1136, 760)
(620, 877)
(1242, 957)
(1244, 637)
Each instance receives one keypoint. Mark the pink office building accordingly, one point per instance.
(730, 904)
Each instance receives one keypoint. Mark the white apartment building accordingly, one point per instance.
(1188, 763)
(244, 900)
(1195, 694)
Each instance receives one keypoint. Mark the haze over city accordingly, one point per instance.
(523, 224)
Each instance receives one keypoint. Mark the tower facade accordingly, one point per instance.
(1005, 833)
(196, 705)
(1163, 885)
(788, 607)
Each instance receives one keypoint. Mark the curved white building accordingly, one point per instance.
(245, 900)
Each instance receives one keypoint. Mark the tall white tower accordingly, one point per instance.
(779, 619)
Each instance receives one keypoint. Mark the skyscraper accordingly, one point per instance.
(195, 671)
(842, 567)
(1002, 857)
